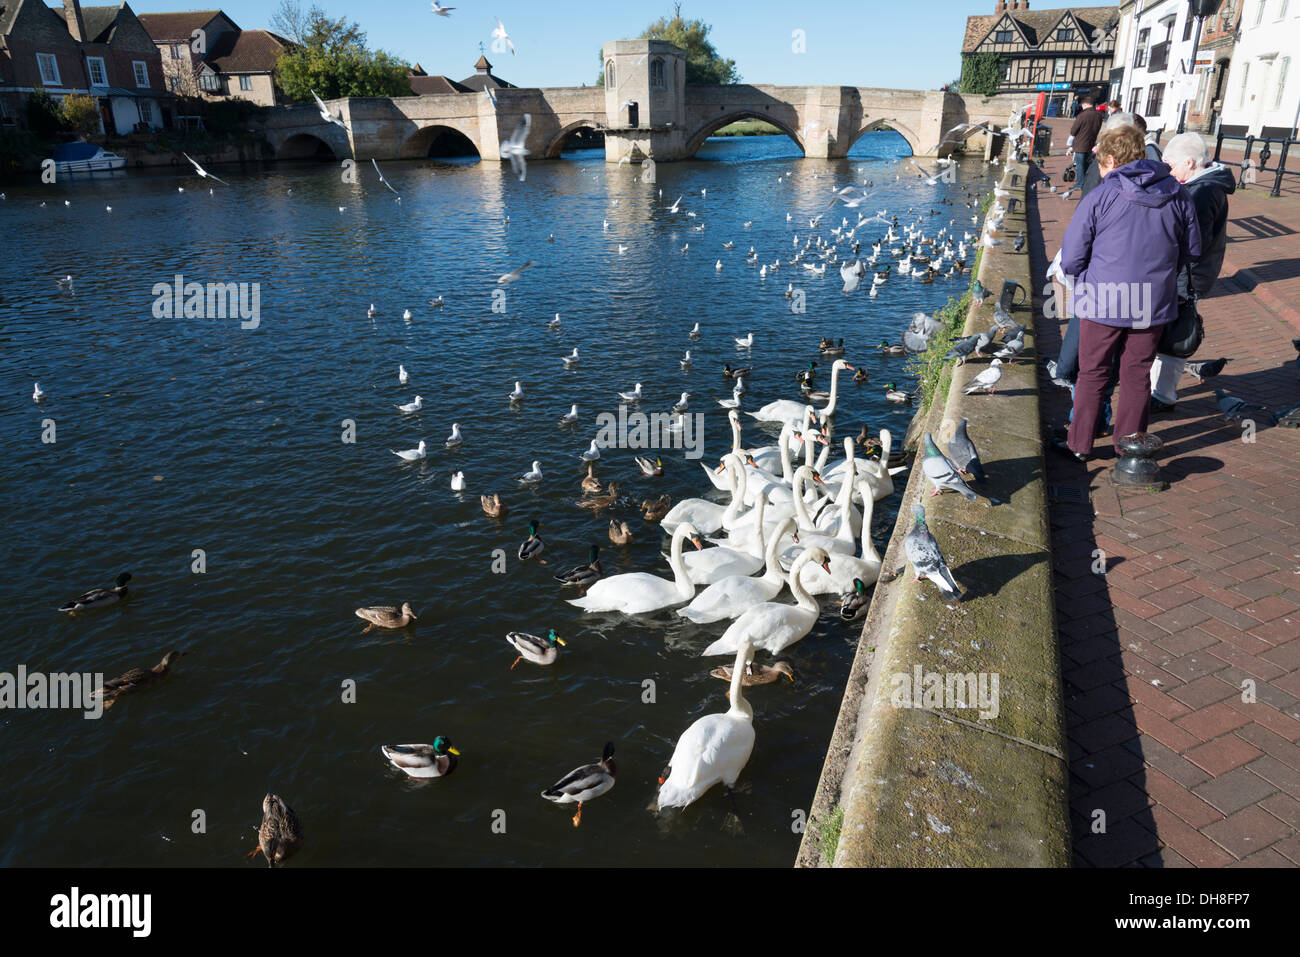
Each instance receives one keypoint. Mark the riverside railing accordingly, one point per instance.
(1265, 152)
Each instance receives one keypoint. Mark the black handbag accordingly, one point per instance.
(1069, 174)
(1182, 337)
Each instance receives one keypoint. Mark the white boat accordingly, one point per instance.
(86, 158)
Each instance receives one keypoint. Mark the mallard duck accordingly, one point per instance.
(654, 510)
(540, 651)
(854, 604)
(653, 468)
(583, 575)
(836, 349)
(532, 546)
(280, 834)
(805, 376)
(591, 483)
(860, 376)
(435, 760)
(620, 533)
(585, 783)
(137, 679)
(386, 616)
(98, 597)
(887, 349)
(493, 507)
(896, 395)
(730, 373)
(757, 674)
(597, 502)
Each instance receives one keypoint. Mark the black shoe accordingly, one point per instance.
(1060, 445)
(1158, 406)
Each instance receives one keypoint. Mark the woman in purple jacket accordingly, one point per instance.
(1124, 247)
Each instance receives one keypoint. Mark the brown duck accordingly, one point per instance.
(620, 533)
(597, 502)
(137, 679)
(280, 835)
(657, 508)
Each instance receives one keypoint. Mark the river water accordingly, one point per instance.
(174, 435)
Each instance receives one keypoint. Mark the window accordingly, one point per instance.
(49, 68)
(141, 72)
(1135, 99)
(657, 74)
(1259, 12)
(1282, 66)
(208, 81)
(1187, 28)
(245, 82)
(146, 112)
(98, 75)
(1006, 72)
(1059, 69)
(1155, 97)
(176, 51)
(1140, 57)
(1281, 9)
(1064, 35)
(609, 73)
(1003, 36)
(174, 83)
(1245, 79)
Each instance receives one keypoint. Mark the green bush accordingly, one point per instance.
(981, 73)
(80, 114)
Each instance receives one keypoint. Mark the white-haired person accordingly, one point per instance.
(1209, 185)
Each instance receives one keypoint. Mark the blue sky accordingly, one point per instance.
(908, 45)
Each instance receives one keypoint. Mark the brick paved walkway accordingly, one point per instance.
(1201, 594)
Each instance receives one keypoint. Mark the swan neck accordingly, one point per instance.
(739, 706)
(868, 507)
(801, 596)
(835, 391)
(680, 578)
(800, 506)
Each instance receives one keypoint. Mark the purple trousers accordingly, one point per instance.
(1098, 345)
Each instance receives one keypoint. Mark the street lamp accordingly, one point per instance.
(1200, 9)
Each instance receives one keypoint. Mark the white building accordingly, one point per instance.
(1154, 47)
(1263, 95)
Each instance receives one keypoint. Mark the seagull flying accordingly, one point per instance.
(512, 276)
(384, 181)
(325, 114)
(500, 34)
(201, 171)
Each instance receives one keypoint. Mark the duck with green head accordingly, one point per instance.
(854, 604)
(584, 575)
(435, 760)
(99, 597)
(896, 395)
(532, 546)
(540, 651)
(894, 350)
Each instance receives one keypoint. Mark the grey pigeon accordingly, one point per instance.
(964, 455)
(1206, 368)
(942, 473)
(1012, 348)
(926, 559)
(987, 380)
(916, 337)
(1019, 244)
(961, 349)
(979, 293)
(984, 339)
(1002, 317)
(1235, 409)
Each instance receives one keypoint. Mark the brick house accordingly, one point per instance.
(100, 51)
(1214, 57)
(206, 54)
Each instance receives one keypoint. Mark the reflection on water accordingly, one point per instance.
(182, 434)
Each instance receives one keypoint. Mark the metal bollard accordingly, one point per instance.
(1137, 468)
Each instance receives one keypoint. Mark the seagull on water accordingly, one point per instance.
(570, 360)
(414, 406)
(518, 394)
(403, 376)
(458, 482)
(412, 455)
(746, 342)
(592, 453)
(37, 393)
(455, 438)
(569, 417)
(534, 475)
(634, 395)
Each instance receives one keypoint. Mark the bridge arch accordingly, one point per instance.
(696, 139)
(555, 146)
(439, 139)
(299, 146)
(913, 140)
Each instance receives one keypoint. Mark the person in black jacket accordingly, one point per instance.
(1209, 185)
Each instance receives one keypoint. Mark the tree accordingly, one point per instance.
(81, 114)
(981, 73)
(330, 56)
(44, 118)
(703, 63)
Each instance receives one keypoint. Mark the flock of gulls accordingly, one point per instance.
(789, 518)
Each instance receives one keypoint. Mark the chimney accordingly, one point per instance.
(72, 14)
(1000, 6)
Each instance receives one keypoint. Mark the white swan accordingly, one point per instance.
(713, 564)
(720, 480)
(877, 474)
(715, 748)
(743, 534)
(782, 410)
(708, 516)
(639, 592)
(731, 596)
(774, 626)
(844, 568)
(838, 366)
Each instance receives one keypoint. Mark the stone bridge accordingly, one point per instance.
(644, 110)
